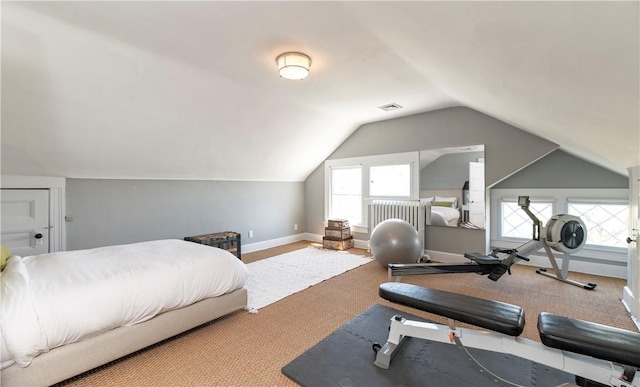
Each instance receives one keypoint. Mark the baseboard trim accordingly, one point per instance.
(252, 247)
(630, 303)
(312, 237)
(595, 268)
(441, 256)
(577, 266)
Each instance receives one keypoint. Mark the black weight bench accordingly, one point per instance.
(564, 333)
(591, 339)
(493, 315)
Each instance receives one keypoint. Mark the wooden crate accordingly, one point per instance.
(337, 244)
(338, 223)
(338, 233)
(226, 240)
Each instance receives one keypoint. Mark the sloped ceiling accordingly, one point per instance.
(189, 90)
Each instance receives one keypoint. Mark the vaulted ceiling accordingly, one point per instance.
(189, 90)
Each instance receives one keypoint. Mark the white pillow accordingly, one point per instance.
(452, 199)
(22, 334)
(427, 200)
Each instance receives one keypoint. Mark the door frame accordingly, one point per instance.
(56, 187)
(631, 292)
(475, 189)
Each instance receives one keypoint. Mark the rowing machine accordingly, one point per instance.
(592, 352)
(564, 233)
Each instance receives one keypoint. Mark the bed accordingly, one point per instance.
(444, 216)
(442, 210)
(65, 313)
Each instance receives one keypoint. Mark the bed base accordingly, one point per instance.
(73, 359)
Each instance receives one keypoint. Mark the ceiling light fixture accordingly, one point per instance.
(293, 65)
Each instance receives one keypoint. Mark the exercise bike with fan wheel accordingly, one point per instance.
(564, 233)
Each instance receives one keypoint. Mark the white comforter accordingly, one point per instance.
(443, 215)
(54, 299)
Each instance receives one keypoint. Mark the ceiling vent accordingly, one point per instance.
(390, 107)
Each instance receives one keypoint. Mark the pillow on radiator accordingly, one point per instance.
(452, 199)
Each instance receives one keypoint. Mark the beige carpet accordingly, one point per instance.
(246, 349)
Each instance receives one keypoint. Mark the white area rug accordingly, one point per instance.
(275, 278)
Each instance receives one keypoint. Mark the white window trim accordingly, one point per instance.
(412, 158)
(561, 199)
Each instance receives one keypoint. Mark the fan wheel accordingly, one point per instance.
(572, 234)
(565, 233)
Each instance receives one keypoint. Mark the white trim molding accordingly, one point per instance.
(631, 304)
(631, 292)
(252, 247)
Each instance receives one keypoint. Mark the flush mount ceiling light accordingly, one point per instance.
(293, 65)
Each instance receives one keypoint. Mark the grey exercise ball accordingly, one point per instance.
(395, 241)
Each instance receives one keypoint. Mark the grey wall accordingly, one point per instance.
(562, 170)
(513, 159)
(108, 212)
(507, 150)
(448, 171)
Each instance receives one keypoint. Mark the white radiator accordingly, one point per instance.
(412, 211)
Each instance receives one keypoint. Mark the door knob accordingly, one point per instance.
(38, 236)
(629, 240)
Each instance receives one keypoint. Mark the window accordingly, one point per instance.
(606, 222)
(346, 194)
(515, 223)
(351, 183)
(603, 211)
(390, 181)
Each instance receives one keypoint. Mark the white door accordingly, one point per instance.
(631, 295)
(25, 221)
(476, 194)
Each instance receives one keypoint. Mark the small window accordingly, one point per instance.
(351, 182)
(606, 222)
(390, 181)
(346, 194)
(517, 224)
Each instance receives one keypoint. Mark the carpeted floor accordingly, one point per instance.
(246, 349)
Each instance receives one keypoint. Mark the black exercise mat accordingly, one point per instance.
(345, 358)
